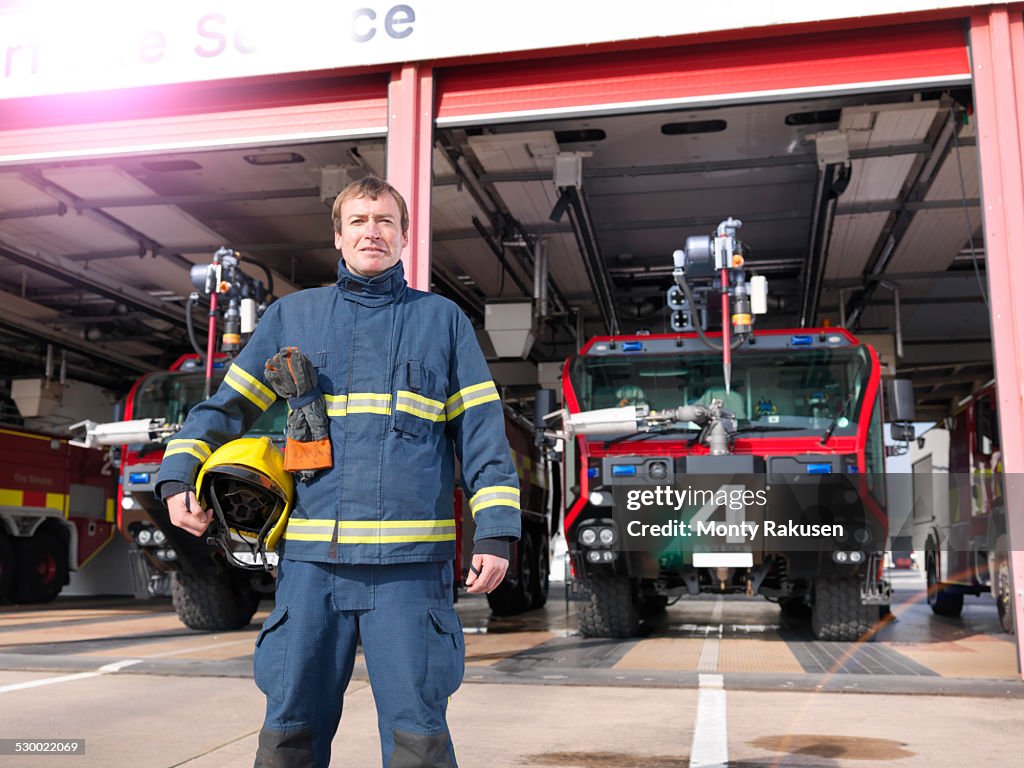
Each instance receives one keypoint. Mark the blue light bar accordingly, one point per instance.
(853, 469)
(632, 346)
(593, 472)
(819, 469)
(138, 477)
(801, 341)
(623, 470)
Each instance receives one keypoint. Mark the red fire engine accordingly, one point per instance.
(56, 512)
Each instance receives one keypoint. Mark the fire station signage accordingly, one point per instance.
(69, 46)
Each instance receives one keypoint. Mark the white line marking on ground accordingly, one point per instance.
(710, 747)
(197, 648)
(709, 651)
(106, 669)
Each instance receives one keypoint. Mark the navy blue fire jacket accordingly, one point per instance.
(407, 390)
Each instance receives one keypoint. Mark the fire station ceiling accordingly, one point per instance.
(861, 210)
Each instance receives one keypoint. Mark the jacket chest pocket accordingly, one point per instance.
(419, 400)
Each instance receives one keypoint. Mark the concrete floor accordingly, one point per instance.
(718, 683)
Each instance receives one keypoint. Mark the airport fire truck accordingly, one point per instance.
(207, 591)
(56, 512)
(787, 424)
(959, 509)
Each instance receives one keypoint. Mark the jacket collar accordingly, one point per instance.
(378, 290)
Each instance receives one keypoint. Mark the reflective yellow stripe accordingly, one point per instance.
(484, 392)
(249, 387)
(361, 531)
(110, 511)
(494, 496)
(493, 489)
(369, 402)
(371, 523)
(57, 501)
(422, 407)
(337, 405)
(427, 537)
(420, 399)
(514, 503)
(196, 448)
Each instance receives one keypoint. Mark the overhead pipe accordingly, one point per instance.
(540, 278)
(918, 192)
(572, 200)
(499, 251)
(832, 182)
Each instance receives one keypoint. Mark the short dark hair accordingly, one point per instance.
(372, 187)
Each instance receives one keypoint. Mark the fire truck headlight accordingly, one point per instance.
(856, 557)
(601, 499)
(144, 537)
(588, 536)
(840, 557)
(594, 556)
(159, 537)
(658, 470)
(127, 502)
(607, 536)
(862, 535)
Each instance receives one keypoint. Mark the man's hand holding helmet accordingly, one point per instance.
(188, 514)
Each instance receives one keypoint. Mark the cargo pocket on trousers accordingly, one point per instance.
(446, 658)
(269, 657)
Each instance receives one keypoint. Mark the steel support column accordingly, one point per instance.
(997, 47)
(410, 149)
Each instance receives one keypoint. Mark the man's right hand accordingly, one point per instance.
(187, 514)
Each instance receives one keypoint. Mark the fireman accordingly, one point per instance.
(367, 551)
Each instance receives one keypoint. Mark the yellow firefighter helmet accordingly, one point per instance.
(245, 483)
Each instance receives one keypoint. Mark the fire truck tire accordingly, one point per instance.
(837, 613)
(40, 567)
(6, 567)
(795, 608)
(513, 596)
(213, 604)
(944, 602)
(1002, 586)
(653, 605)
(541, 574)
(611, 610)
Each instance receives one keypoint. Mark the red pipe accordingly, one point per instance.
(211, 342)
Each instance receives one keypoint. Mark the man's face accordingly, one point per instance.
(371, 240)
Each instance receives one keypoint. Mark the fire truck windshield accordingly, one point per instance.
(796, 390)
(172, 395)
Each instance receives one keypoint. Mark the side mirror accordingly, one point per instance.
(901, 431)
(901, 400)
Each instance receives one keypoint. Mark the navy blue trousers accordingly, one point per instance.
(412, 642)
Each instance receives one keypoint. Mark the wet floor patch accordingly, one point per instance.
(834, 747)
(605, 760)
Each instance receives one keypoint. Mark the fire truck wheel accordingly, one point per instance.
(795, 608)
(6, 566)
(40, 567)
(213, 603)
(1002, 586)
(541, 574)
(513, 595)
(611, 610)
(943, 601)
(837, 613)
